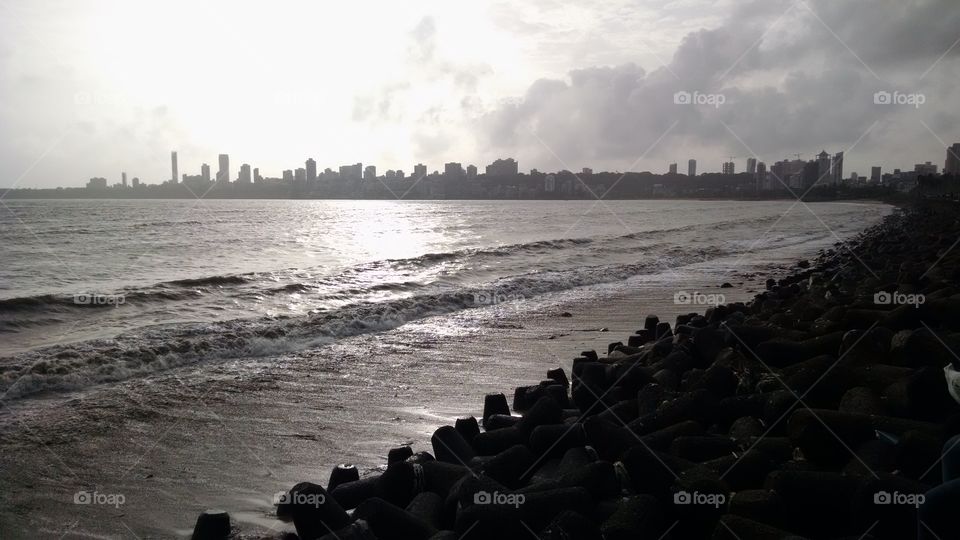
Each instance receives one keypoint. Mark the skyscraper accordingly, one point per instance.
(875, 175)
(244, 177)
(370, 172)
(752, 165)
(419, 170)
(205, 172)
(123, 179)
(223, 175)
(173, 167)
(311, 170)
(728, 167)
(837, 168)
(692, 168)
(673, 168)
(823, 168)
(952, 165)
(471, 171)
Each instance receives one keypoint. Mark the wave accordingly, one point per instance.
(155, 349)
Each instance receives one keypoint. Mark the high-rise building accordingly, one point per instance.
(370, 173)
(691, 168)
(136, 181)
(300, 175)
(673, 168)
(256, 175)
(761, 170)
(587, 171)
(311, 167)
(875, 175)
(925, 168)
(752, 165)
(123, 179)
(173, 167)
(419, 171)
(823, 168)
(503, 167)
(245, 177)
(223, 174)
(287, 176)
(205, 172)
(453, 170)
(351, 172)
(97, 183)
(471, 171)
(837, 168)
(952, 165)
(728, 167)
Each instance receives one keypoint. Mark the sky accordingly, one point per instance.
(93, 88)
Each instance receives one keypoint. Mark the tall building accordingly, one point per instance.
(691, 168)
(503, 167)
(761, 170)
(123, 179)
(287, 176)
(728, 167)
(256, 175)
(300, 175)
(837, 168)
(205, 172)
(925, 168)
(453, 170)
(173, 167)
(752, 165)
(673, 168)
(136, 181)
(245, 177)
(419, 171)
(311, 167)
(370, 173)
(223, 174)
(875, 175)
(471, 171)
(351, 172)
(952, 165)
(823, 168)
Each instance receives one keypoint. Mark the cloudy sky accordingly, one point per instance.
(92, 88)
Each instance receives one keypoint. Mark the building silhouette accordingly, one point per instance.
(205, 172)
(245, 177)
(673, 168)
(752, 165)
(837, 168)
(471, 171)
(503, 167)
(311, 168)
(223, 174)
(728, 167)
(952, 165)
(173, 167)
(691, 168)
(419, 171)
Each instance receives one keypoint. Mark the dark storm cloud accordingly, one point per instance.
(787, 82)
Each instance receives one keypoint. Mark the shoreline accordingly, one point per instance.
(769, 410)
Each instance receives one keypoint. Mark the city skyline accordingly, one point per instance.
(558, 87)
(829, 170)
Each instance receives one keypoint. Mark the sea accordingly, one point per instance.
(159, 357)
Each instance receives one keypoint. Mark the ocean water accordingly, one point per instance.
(193, 354)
